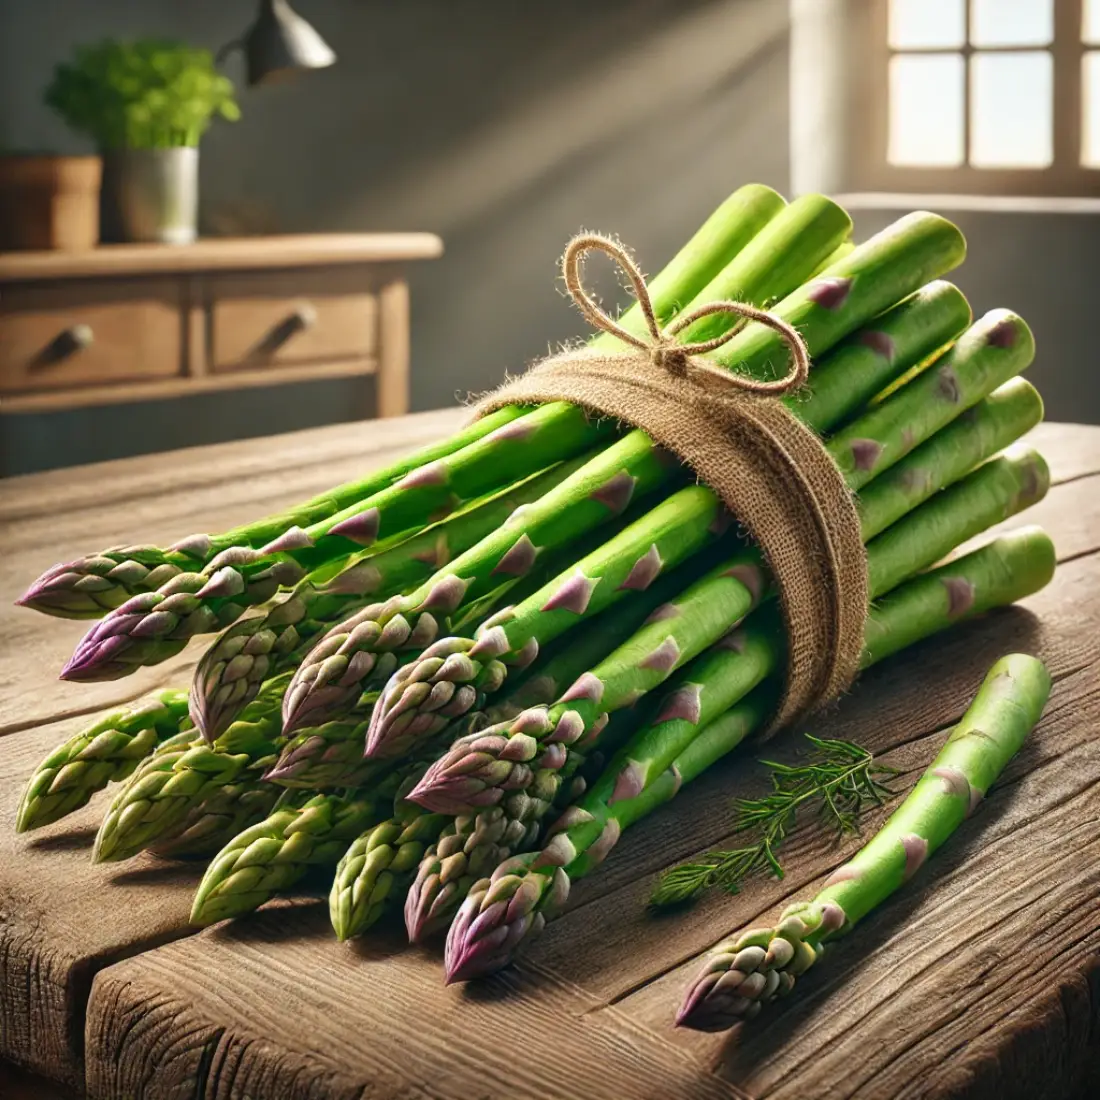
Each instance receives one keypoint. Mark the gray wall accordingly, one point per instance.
(504, 126)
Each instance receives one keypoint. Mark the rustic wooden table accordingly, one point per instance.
(980, 980)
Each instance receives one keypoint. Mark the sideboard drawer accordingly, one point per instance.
(71, 333)
(289, 317)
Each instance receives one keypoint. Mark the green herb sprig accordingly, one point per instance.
(843, 778)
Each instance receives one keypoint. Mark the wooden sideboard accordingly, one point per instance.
(137, 322)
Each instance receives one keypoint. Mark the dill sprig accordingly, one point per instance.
(843, 778)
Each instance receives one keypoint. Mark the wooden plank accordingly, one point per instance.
(158, 1027)
(62, 918)
(224, 254)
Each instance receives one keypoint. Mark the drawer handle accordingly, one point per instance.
(299, 320)
(305, 316)
(74, 339)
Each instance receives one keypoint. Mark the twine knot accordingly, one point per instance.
(663, 347)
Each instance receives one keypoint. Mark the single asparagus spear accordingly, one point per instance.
(378, 867)
(105, 752)
(468, 848)
(92, 585)
(892, 345)
(273, 855)
(743, 974)
(266, 644)
(478, 768)
(211, 824)
(451, 664)
(183, 773)
(514, 903)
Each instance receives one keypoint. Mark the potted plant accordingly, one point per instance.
(146, 104)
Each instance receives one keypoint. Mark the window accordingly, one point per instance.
(998, 96)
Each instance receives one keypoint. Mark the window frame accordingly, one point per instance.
(1066, 175)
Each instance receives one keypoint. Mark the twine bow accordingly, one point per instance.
(769, 469)
(666, 352)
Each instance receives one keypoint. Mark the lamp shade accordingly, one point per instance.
(281, 43)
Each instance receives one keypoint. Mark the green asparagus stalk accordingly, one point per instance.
(478, 768)
(980, 432)
(891, 345)
(468, 848)
(105, 752)
(184, 772)
(745, 973)
(378, 868)
(404, 709)
(869, 280)
(264, 645)
(89, 587)
(275, 854)
(211, 824)
(516, 901)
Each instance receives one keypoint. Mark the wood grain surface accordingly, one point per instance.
(224, 254)
(980, 980)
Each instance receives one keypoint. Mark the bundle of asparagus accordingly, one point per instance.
(449, 654)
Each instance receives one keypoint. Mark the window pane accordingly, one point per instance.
(1091, 29)
(926, 110)
(1011, 22)
(1011, 109)
(1090, 114)
(927, 24)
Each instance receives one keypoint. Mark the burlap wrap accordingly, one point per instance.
(769, 469)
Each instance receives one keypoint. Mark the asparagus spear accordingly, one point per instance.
(183, 773)
(974, 367)
(514, 903)
(744, 973)
(105, 752)
(378, 867)
(92, 585)
(263, 645)
(893, 344)
(273, 855)
(331, 754)
(983, 430)
(213, 822)
(468, 848)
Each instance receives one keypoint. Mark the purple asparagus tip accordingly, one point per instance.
(499, 914)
